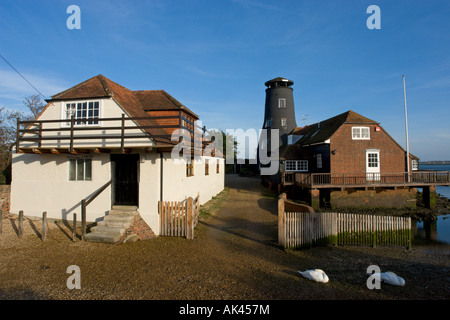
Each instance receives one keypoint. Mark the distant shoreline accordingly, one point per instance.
(443, 162)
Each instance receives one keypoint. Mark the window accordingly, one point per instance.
(296, 165)
(218, 166)
(360, 133)
(206, 167)
(283, 122)
(319, 160)
(190, 167)
(85, 113)
(268, 123)
(414, 165)
(281, 103)
(372, 160)
(80, 169)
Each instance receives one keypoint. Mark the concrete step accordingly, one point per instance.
(119, 218)
(114, 224)
(107, 228)
(125, 208)
(115, 212)
(106, 237)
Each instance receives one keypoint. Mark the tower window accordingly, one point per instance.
(283, 122)
(281, 103)
(268, 123)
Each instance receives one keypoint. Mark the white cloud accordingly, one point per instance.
(14, 88)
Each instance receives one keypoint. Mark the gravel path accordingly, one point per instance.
(234, 256)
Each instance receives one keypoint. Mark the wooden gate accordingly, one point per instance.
(179, 218)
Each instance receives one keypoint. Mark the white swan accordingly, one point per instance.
(392, 278)
(316, 275)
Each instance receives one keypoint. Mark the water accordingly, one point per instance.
(442, 190)
(439, 230)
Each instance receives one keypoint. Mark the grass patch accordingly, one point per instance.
(210, 207)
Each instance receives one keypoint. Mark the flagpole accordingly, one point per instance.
(406, 126)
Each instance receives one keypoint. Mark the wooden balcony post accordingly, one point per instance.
(40, 135)
(122, 134)
(72, 123)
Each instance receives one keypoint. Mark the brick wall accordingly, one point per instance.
(378, 198)
(140, 228)
(5, 192)
(350, 154)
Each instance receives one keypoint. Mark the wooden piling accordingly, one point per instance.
(20, 227)
(44, 225)
(74, 227)
(1, 219)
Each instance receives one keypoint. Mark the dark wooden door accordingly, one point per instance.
(125, 179)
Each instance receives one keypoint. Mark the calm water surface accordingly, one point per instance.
(440, 230)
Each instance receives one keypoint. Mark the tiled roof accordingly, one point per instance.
(322, 131)
(160, 100)
(135, 103)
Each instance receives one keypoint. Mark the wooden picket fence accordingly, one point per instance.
(179, 218)
(300, 229)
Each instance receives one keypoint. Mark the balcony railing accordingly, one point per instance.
(327, 180)
(72, 134)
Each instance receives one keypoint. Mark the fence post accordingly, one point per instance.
(189, 218)
(1, 218)
(83, 219)
(281, 229)
(74, 227)
(20, 223)
(409, 234)
(374, 238)
(44, 225)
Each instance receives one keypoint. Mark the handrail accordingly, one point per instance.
(34, 131)
(85, 202)
(394, 178)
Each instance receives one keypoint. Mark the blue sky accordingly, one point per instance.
(214, 57)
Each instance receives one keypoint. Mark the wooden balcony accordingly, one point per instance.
(362, 180)
(101, 135)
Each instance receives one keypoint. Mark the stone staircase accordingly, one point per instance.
(114, 224)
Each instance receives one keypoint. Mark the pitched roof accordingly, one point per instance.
(323, 130)
(135, 103)
(152, 100)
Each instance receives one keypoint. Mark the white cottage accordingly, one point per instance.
(100, 139)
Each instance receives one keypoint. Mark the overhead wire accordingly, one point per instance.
(17, 71)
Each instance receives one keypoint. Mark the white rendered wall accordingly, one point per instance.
(41, 183)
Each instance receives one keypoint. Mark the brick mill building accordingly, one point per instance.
(345, 161)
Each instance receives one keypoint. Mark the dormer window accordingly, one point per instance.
(360, 133)
(84, 113)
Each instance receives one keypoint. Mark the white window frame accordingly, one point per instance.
(76, 171)
(83, 121)
(296, 166)
(414, 165)
(319, 160)
(357, 133)
(283, 122)
(282, 103)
